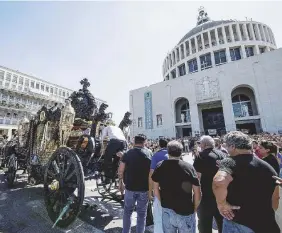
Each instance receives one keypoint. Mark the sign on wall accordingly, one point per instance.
(212, 131)
(148, 110)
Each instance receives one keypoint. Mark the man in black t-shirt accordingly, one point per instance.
(133, 173)
(246, 193)
(206, 165)
(174, 182)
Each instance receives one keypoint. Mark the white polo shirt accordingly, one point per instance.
(113, 132)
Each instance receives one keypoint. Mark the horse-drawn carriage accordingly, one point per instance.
(58, 147)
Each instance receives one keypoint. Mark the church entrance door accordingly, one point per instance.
(213, 121)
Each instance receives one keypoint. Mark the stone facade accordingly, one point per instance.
(247, 91)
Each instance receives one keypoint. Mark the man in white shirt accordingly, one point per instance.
(117, 143)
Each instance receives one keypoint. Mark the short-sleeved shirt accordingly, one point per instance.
(137, 167)
(176, 178)
(206, 164)
(272, 160)
(158, 157)
(251, 189)
(280, 158)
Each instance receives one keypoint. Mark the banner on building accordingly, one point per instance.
(148, 110)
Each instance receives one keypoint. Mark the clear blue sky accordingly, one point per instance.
(118, 46)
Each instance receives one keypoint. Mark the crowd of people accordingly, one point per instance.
(234, 180)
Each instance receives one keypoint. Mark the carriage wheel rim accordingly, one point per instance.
(64, 181)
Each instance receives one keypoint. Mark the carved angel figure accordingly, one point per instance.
(66, 122)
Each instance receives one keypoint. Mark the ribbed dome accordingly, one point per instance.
(203, 27)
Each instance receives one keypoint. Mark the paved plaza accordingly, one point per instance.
(22, 210)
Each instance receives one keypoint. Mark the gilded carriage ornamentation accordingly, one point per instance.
(66, 122)
(23, 131)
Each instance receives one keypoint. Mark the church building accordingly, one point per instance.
(221, 76)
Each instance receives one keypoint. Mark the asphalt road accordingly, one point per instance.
(22, 211)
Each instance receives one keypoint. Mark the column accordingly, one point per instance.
(212, 59)
(238, 32)
(186, 67)
(196, 44)
(263, 33)
(229, 119)
(202, 40)
(209, 37)
(245, 31)
(177, 72)
(258, 31)
(216, 36)
(252, 32)
(195, 123)
(267, 35)
(224, 34)
(231, 33)
(198, 63)
(270, 35)
(184, 49)
(257, 49)
(267, 48)
(190, 47)
(243, 50)
(228, 57)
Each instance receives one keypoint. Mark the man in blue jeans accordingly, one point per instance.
(133, 174)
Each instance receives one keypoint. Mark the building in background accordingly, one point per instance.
(23, 95)
(222, 75)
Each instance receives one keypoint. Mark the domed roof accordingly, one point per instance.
(203, 27)
(203, 23)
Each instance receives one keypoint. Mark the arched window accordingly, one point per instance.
(182, 111)
(242, 106)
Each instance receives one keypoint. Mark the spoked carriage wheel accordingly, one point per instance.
(64, 186)
(11, 172)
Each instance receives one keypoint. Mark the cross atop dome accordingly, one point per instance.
(203, 16)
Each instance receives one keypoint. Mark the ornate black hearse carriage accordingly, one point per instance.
(58, 147)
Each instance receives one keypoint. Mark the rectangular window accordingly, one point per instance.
(47, 88)
(37, 86)
(51, 90)
(193, 65)
(159, 119)
(26, 83)
(235, 54)
(8, 77)
(42, 87)
(20, 88)
(182, 70)
(7, 84)
(2, 73)
(32, 84)
(173, 73)
(249, 51)
(21, 80)
(205, 61)
(15, 79)
(60, 92)
(140, 122)
(64, 94)
(56, 91)
(220, 57)
(68, 94)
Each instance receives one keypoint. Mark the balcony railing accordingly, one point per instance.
(9, 121)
